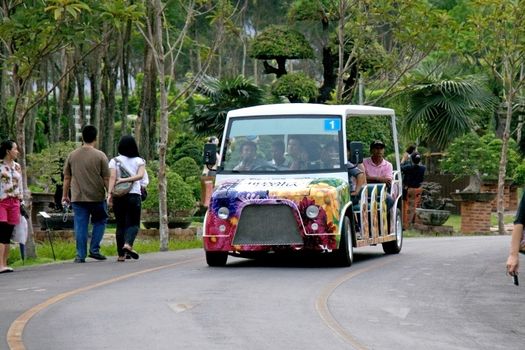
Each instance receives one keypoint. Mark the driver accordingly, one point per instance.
(249, 159)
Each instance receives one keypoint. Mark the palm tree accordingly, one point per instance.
(222, 95)
(442, 106)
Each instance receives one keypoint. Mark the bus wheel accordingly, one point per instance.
(344, 256)
(216, 258)
(394, 247)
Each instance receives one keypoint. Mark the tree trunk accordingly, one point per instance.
(501, 117)
(67, 110)
(124, 78)
(503, 161)
(54, 120)
(79, 78)
(20, 88)
(30, 127)
(145, 128)
(163, 184)
(95, 79)
(341, 52)
(109, 86)
(5, 126)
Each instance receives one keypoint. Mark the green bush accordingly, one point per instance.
(45, 168)
(186, 145)
(296, 87)
(180, 194)
(519, 174)
(473, 155)
(186, 167)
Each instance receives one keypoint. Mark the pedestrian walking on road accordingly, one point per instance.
(11, 184)
(86, 172)
(127, 207)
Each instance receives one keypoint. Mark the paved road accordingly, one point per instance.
(439, 293)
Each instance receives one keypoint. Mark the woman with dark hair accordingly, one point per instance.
(127, 207)
(10, 197)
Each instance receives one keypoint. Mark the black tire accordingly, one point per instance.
(216, 258)
(394, 247)
(344, 256)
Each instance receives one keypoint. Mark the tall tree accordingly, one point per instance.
(280, 43)
(378, 42)
(222, 95)
(165, 44)
(30, 32)
(498, 29)
(442, 104)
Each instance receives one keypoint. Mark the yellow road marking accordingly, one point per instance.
(15, 332)
(321, 305)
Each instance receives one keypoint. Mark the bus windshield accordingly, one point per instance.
(284, 144)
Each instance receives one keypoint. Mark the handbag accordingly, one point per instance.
(122, 188)
(143, 193)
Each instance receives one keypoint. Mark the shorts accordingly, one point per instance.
(6, 231)
(10, 210)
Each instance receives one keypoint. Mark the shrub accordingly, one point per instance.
(471, 155)
(180, 194)
(186, 167)
(296, 87)
(431, 196)
(186, 145)
(45, 168)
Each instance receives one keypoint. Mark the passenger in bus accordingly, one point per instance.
(249, 159)
(377, 168)
(278, 159)
(329, 156)
(313, 153)
(296, 154)
(356, 176)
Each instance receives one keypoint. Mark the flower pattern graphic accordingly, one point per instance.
(320, 233)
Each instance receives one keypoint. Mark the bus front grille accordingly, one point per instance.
(267, 225)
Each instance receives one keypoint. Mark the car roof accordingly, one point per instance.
(309, 109)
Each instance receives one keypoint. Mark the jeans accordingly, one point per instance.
(127, 214)
(98, 213)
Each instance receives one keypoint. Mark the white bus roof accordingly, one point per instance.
(309, 108)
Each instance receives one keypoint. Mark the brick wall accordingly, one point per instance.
(510, 195)
(475, 217)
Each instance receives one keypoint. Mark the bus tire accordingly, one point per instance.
(344, 256)
(394, 247)
(216, 258)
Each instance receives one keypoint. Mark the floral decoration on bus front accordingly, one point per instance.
(320, 232)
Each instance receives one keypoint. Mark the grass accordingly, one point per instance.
(66, 251)
(455, 222)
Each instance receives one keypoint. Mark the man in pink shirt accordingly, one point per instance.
(377, 168)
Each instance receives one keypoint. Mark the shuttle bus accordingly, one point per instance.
(283, 185)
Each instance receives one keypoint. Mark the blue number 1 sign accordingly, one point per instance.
(332, 124)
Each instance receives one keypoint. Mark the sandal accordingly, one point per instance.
(121, 259)
(130, 251)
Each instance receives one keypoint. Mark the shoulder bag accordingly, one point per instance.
(122, 188)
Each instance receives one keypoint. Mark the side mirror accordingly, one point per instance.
(210, 154)
(356, 152)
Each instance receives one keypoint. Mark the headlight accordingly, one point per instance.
(223, 213)
(312, 211)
